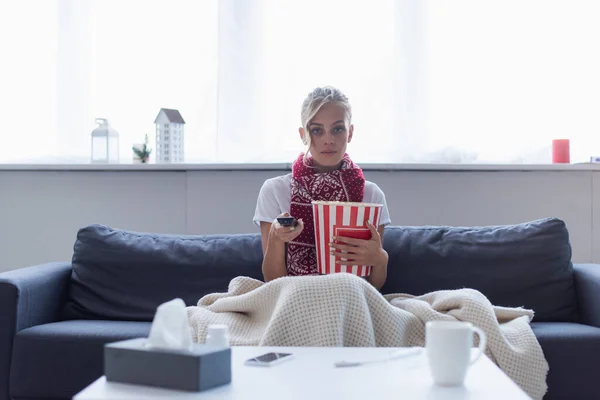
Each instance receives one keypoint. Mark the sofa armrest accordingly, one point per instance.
(28, 297)
(587, 285)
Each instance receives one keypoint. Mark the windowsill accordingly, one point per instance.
(287, 167)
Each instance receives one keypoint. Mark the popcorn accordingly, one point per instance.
(343, 219)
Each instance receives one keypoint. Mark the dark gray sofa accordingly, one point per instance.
(55, 318)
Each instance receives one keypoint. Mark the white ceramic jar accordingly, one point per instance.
(218, 336)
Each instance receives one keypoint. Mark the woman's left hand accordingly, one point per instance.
(359, 251)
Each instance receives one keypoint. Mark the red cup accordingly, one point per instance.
(334, 218)
(561, 152)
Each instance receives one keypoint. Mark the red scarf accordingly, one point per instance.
(344, 184)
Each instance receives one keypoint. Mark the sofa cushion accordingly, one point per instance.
(526, 264)
(123, 275)
(572, 351)
(58, 360)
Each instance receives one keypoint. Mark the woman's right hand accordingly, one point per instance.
(285, 233)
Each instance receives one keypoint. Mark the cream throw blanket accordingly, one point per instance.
(344, 310)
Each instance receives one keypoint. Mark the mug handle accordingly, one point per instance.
(482, 344)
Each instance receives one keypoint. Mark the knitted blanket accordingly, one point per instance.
(343, 310)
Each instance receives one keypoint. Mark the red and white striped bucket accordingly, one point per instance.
(334, 218)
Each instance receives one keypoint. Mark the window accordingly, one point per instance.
(429, 80)
(502, 94)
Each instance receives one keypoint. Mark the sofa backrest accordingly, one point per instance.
(523, 265)
(119, 274)
(125, 275)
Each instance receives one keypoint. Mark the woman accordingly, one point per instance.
(327, 174)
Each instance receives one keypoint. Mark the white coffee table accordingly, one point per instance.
(311, 375)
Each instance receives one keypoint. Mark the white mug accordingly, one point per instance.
(448, 345)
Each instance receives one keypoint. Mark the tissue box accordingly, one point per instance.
(205, 367)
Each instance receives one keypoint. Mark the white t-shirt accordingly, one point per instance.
(275, 197)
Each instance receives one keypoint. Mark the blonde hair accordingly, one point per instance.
(314, 102)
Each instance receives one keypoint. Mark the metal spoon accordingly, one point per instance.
(411, 351)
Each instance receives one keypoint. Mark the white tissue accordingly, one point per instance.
(170, 328)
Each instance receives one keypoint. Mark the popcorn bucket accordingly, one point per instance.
(334, 218)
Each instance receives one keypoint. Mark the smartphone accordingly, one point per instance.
(356, 233)
(287, 221)
(268, 359)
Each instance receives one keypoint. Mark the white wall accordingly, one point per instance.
(41, 210)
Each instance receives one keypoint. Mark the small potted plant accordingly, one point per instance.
(141, 152)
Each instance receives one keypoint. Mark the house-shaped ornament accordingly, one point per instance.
(169, 136)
